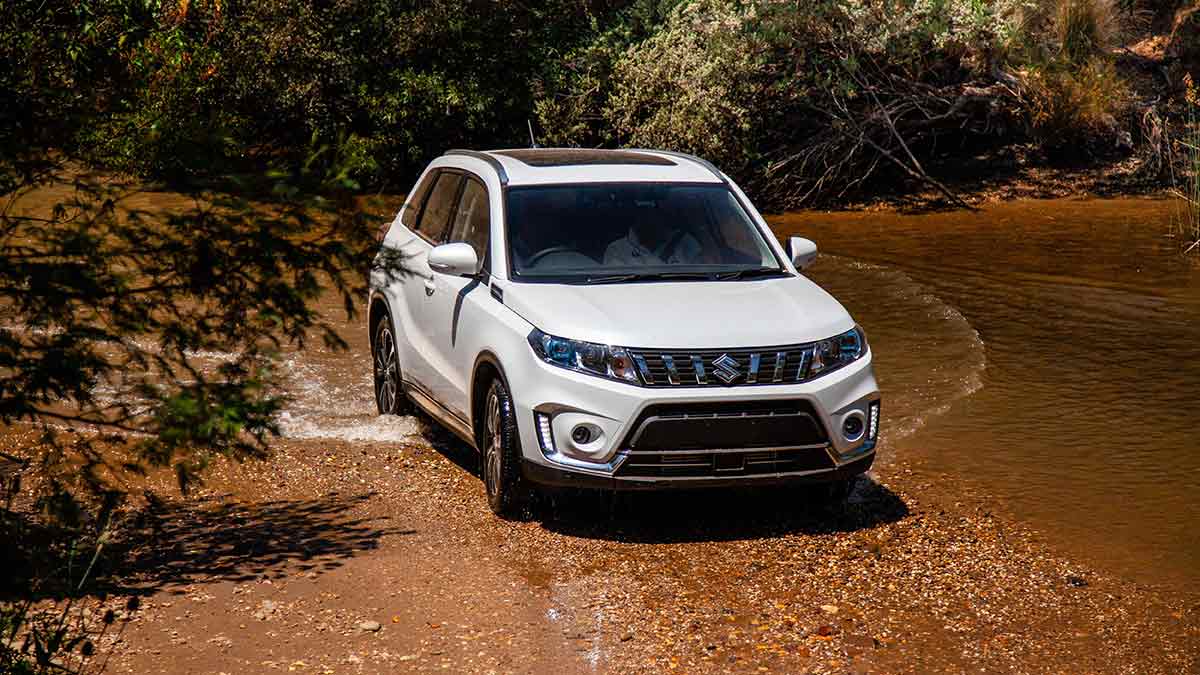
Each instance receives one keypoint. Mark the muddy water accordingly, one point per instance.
(1048, 350)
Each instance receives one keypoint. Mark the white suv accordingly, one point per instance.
(615, 319)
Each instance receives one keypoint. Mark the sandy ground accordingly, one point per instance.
(370, 557)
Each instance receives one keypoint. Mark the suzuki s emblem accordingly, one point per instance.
(726, 368)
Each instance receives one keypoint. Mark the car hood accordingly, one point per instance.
(683, 314)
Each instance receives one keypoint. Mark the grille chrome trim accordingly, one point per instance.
(805, 361)
(672, 373)
(643, 369)
(731, 367)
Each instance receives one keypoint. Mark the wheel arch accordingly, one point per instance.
(377, 310)
(487, 367)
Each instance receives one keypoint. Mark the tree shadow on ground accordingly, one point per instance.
(719, 515)
(215, 539)
(165, 544)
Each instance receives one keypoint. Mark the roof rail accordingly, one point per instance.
(483, 157)
(681, 155)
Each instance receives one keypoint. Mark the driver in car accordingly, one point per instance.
(650, 241)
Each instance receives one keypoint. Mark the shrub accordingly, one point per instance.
(693, 85)
(572, 91)
(1186, 187)
(1084, 28)
(1067, 104)
(752, 85)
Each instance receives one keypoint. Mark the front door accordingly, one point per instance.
(453, 299)
(419, 283)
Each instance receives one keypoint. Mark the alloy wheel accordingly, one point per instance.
(387, 372)
(493, 456)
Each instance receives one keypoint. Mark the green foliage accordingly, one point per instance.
(113, 315)
(571, 93)
(187, 90)
(206, 87)
(747, 83)
(692, 85)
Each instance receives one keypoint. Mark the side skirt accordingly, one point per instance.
(439, 412)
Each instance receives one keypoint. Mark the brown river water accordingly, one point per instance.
(1046, 352)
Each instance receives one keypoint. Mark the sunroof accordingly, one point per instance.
(546, 157)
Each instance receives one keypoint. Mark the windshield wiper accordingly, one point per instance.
(745, 274)
(612, 278)
(647, 276)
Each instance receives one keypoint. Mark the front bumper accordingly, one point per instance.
(692, 437)
(559, 477)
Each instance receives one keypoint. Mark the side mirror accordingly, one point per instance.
(803, 251)
(457, 259)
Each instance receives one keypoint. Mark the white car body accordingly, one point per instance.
(454, 331)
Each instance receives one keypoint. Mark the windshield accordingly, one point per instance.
(626, 231)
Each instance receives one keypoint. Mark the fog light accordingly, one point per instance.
(852, 427)
(581, 435)
(545, 435)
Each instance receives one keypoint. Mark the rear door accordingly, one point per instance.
(418, 281)
(454, 299)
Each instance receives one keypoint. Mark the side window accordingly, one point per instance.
(436, 214)
(412, 207)
(472, 221)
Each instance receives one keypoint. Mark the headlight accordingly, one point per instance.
(837, 351)
(586, 357)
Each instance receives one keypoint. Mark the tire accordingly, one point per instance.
(385, 360)
(500, 454)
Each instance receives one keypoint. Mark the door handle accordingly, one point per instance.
(429, 287)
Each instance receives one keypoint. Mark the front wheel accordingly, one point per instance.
(389, 397)
(507, 493)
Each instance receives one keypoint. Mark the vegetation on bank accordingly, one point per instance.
(1186, 188)
(804, 102)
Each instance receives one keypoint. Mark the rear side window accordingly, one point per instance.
(436, 214)
(412, 207)
(472, 220)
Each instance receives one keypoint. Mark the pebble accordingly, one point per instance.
(369, 626)
(266, 609)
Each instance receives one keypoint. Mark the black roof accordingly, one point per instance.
(546, 157)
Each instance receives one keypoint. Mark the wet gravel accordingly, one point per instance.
(369, 557)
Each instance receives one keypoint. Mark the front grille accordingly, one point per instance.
(727, 367)
(725, 439)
